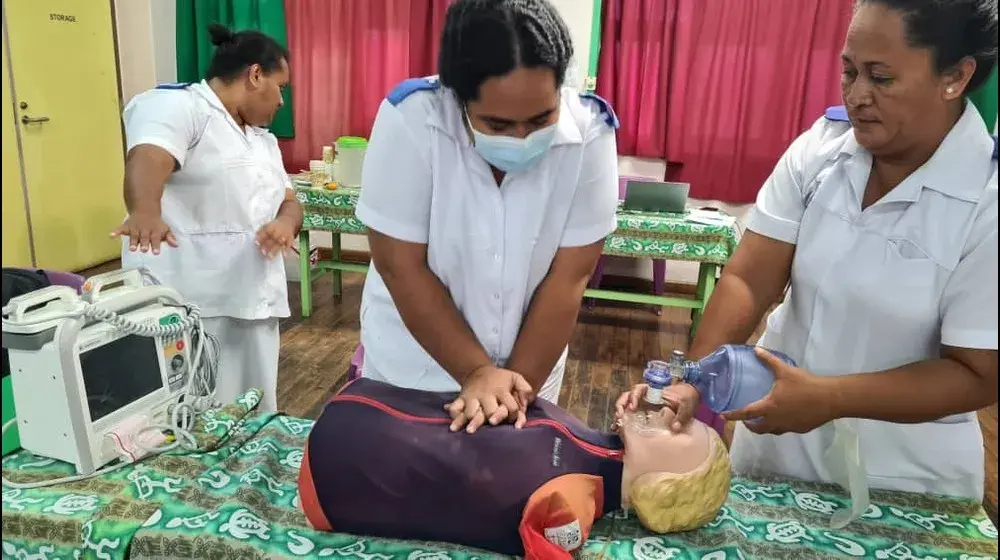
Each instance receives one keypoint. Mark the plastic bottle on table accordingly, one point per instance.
(730, 378)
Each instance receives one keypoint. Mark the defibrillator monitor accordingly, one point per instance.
(84, 367)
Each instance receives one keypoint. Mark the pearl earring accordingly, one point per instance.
(951, 90)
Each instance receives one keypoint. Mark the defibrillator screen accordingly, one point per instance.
(119, 373)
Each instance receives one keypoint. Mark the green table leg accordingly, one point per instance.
(305, 273)
(338, 284)
(706, 285)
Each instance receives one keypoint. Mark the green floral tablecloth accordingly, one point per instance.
(240, 501)
(326, 210)
(639, 234)
(98, 517)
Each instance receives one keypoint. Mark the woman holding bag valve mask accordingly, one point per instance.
(882, 219)
(488, 193)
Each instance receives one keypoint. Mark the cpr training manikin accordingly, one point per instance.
(382, 461)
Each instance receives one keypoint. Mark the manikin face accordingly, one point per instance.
(658, 450)
(674, 481)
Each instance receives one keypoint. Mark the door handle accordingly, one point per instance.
(33, 120)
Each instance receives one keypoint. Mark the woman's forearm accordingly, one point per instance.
(752, 281)
(430, 315)
(552, 314)
(546, 331)
(918, 392)
(291, 211)
(732, 315)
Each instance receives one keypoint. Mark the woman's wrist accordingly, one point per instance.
(469, 372)
(835, 389)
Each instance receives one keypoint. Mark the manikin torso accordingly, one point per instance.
(381, 461)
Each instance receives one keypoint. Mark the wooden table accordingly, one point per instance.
(639, 235)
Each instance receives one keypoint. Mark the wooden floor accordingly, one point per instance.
(610, 346)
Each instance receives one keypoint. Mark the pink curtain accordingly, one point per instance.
(345, 56)
(725, 85)
(749, 75)
(634, 71)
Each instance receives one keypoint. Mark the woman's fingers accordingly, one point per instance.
(521, 419)
(621, 403)
(489, 406)
(472, 407)
(635, 395)
(502, 413)
(685, 412)
(509, 403)
(476, 422)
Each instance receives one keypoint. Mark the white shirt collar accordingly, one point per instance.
(959, 168)
(205, 91)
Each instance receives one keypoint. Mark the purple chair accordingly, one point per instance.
(57, 278)
(659, 265)
(69, 279)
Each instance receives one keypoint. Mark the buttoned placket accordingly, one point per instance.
(497, 270)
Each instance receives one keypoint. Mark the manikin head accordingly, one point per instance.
(674, 481)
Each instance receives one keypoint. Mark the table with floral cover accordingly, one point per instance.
(237, 498)
(639, 235)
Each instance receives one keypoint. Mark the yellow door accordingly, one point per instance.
(62, 56)
(16, 239)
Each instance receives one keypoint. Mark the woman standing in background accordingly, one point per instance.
(205, 179)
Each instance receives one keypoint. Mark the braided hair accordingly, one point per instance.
(483, 39)
(952, 30)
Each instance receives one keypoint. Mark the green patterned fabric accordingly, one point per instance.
(670, 237)
(326, 210)
(639, 234)
(240, 500)
(98, 517)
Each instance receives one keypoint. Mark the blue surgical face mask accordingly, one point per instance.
(510, 154)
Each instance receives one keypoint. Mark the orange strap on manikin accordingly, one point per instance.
(558, 517)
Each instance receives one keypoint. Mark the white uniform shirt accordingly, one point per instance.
(230, 182)
(424, 182)
(880, 288)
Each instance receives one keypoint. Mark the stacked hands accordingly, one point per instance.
(799, 401)
(147, 233)
(491, 394)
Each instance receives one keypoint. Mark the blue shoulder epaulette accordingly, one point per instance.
(609, 114)
(177, 85)
(837, 113)
(410, 86)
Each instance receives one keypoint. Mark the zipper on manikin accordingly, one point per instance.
(586, 446)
